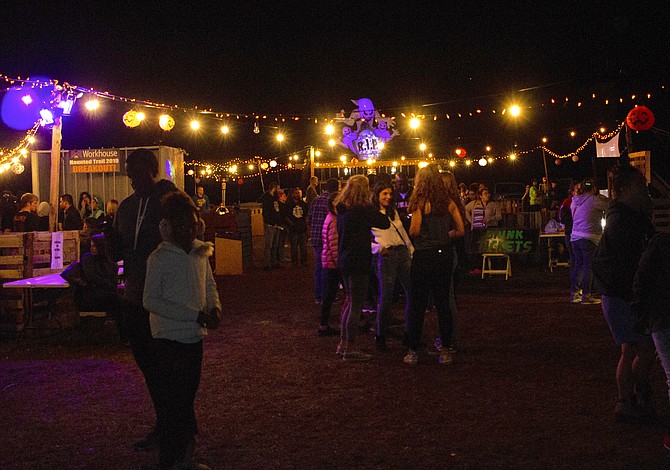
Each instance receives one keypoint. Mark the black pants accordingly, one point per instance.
(430, 274)
(179, 368)
(330, 285)
(144, 348)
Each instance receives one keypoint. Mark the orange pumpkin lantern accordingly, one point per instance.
(640, 118)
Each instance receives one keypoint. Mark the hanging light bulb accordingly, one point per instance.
(17, 168)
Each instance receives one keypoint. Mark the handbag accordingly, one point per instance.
(72, 273)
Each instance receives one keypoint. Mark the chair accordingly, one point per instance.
(488, 269)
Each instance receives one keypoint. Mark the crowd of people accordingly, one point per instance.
(411, 239)
(395, 240)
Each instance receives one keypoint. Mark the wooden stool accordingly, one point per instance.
(486, 264)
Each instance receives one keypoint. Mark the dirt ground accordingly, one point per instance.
(532, 386)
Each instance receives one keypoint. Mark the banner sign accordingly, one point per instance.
(609, 149)
(509, 241)
(57, 250)
(96, 161)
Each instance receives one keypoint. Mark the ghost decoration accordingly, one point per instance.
(348, 138)
(640, 118)
(384, 130)
(365, 131)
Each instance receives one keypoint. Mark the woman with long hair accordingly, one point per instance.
(461, 259)
(436, 222)
(84, 205)
(355, 219)
(393, 252)
(588, 207)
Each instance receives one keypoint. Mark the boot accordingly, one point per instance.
(625, 411)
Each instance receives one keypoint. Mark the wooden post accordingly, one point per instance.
(54, 196)
(311, 161)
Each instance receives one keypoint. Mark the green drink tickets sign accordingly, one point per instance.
(509, 241)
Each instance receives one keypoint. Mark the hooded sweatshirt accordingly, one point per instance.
(178, 287)
(136, 223)
(587, 212)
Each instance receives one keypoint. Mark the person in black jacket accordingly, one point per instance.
(295, 215)
(26, 219)
(271, 219)
(136, 224)
(355, 219)
(628, 227)
(68, 217)
(96, 289)
(651, 297)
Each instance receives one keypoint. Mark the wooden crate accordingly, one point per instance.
(41, 251)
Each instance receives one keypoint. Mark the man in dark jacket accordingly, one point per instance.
(295, 215)
(69, 218)
(136, 223)
(271, 219)
(627, 230)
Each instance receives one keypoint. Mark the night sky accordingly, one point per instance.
(310, 59)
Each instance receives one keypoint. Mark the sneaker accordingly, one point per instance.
(356, 356)
(445, 356)
(328, 331)
(148, 442)
(341, 350)
(590, 300)
(575, 298)
(666, 441)
(411, 358)
(188, 465)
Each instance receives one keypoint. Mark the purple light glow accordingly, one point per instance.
(18, 114)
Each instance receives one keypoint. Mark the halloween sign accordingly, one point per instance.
(365, 131)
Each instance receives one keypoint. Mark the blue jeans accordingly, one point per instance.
(395, 264)
(430, 274)
(298, 247)
(356, 287)
(581, 274)
(270, 248)
(318, 284)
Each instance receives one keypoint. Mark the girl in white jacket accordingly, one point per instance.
(180, 294)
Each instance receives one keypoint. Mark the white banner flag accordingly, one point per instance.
(609, 149)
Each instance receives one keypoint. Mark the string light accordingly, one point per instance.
(94, 97)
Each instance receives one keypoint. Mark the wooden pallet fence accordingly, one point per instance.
(13, 265)
(24, 255)
(41, 251)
